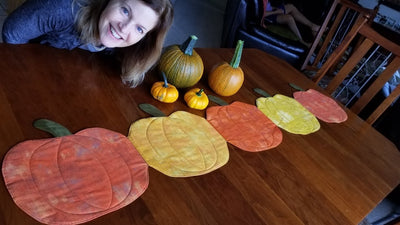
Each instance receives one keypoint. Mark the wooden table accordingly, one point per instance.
(336, 175)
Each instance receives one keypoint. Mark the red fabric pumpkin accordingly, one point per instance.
(322, 106)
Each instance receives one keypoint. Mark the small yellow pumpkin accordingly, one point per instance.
(181, 64)
(196, 98)
(226, 79)
(164, 92)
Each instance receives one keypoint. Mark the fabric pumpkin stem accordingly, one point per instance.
(151, 109)
(55, 129)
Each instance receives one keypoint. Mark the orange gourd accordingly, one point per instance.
(164, 92)
(196, 98)
(226, 79)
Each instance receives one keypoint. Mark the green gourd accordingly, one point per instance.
(182, 65)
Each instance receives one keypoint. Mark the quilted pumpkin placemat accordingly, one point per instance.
(288, 114)
(75, 178)
(244, 126)
(322, 106)
(180, 145)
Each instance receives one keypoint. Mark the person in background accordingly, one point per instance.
(280, 13)
(133, 30)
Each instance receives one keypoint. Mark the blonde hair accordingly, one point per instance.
(138, 58)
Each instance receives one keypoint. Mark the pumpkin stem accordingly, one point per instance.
(56, 129)
(199, 92)
(188, 45)
(165, 80)
(238, 54)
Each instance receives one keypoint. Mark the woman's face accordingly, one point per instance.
(125, 22)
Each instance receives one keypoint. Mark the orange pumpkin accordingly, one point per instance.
(164, 92)
(196, 98)
(226, 79)
(75, 178)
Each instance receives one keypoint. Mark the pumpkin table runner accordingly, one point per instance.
(180, 145)
(288, 114)
(322, 106)
(244, 126)
(75, 178)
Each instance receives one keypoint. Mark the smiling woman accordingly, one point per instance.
(134, 29)
(124, 23)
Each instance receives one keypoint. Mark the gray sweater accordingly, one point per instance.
(48, 22)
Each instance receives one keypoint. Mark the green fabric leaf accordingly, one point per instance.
(261, 92)
(296, 87)
(151, 109)
(56, 129)
(217, 100)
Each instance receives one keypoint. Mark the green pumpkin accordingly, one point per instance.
(182, 65)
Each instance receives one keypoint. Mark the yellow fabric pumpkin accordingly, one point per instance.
(196, 98)
(164, 92)
(288, 114)
(180, 145)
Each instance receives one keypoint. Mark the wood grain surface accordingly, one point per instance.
(336, 175)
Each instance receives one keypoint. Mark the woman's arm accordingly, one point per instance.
(33, 19)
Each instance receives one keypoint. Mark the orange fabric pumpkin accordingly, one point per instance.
(245, 126)
(75, 178)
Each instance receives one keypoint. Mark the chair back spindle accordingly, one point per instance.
(344, 73)
(341, 18)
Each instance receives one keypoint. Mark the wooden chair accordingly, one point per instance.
(372, 42)
(340, 19)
